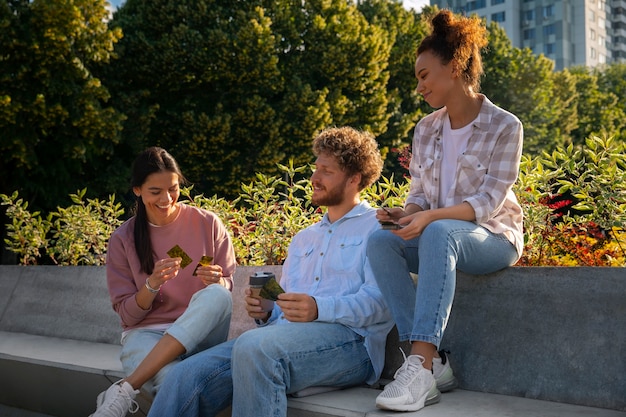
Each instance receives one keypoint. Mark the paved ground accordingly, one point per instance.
(457, 403)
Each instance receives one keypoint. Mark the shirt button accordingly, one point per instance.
(317, 278)
(330, 231)
(321, 253)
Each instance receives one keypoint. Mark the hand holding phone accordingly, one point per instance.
(390, 226)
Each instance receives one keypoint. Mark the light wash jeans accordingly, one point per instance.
(204, 323)
(421, 313)
(267, 364)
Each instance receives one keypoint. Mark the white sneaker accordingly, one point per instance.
(116, 401)
(446, 381)
(413, 387)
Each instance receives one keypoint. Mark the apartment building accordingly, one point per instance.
(570, 32)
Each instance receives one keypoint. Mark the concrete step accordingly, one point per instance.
(360, 402)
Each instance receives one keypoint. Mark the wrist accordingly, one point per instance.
(150, 287)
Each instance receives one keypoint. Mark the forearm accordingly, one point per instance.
(463, 211)
(146, 294)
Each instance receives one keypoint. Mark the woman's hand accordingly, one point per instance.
(385, 214)
(413, 225)
(164, 270)
(210, 274)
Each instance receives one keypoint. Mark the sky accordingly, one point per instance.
(415, 4)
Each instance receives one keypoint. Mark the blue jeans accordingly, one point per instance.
(204, 323)
(257, 370)
(421, 311)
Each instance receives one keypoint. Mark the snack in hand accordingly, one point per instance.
(204, 261)
(271, 289)
(178, 252)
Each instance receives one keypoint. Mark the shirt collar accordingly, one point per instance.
(358, 210)
(482, 122)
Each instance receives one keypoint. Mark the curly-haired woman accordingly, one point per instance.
(460, 213)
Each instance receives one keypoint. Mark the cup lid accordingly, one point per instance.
(260, 278)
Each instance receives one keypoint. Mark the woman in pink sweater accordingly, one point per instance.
(170, 306)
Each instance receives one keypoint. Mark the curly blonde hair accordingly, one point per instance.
(458, 39)
(356, 152)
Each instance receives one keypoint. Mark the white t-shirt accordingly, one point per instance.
(454, 143)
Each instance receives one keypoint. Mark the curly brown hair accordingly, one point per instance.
(356, 152)
(458, 39)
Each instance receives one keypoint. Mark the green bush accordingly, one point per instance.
(574, 202)
(77, 235)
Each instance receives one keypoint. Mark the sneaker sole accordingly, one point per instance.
(448, 385)
(434, 398)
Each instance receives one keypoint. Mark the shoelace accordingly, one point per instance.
(405, 373)
(112, 404)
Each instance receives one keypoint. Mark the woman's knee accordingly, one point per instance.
(214, 298)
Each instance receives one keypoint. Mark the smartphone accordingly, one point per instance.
(390, 226)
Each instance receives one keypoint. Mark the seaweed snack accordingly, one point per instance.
(178, 252)
(204, 261)
(271, 289)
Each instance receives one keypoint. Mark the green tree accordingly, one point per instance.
(524, 84)
(405, 29)
(233, 88)
(57, 130)
(612, 78)
(598, 111)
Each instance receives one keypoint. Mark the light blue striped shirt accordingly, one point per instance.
(327, 260)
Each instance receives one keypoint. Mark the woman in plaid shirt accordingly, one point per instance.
(461, 211)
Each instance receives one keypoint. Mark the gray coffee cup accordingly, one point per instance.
(257, 281)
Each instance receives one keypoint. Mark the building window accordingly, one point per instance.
(592, 15)
(498, 17)
(548, 30)
(592, 34)
(494, 2)
(529, 34)
(548, 49)
(548, 11)
(529, 15)
(593, 53)
(601, 41)
(476, 4)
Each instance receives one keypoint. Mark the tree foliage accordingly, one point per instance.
(233, 88)
(598, 108)
(57, 129)
(525, 85)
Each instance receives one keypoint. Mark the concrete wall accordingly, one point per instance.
(550, 333)
(556, 334)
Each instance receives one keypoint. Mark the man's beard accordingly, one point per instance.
(332, 197)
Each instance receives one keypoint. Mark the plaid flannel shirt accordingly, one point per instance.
(485, 172)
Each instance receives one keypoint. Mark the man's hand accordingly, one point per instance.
(254, 308)
(298, 307)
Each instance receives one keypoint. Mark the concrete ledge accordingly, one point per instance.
(549, 333)
(60, 377)
(360, 402)
(531, 334)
